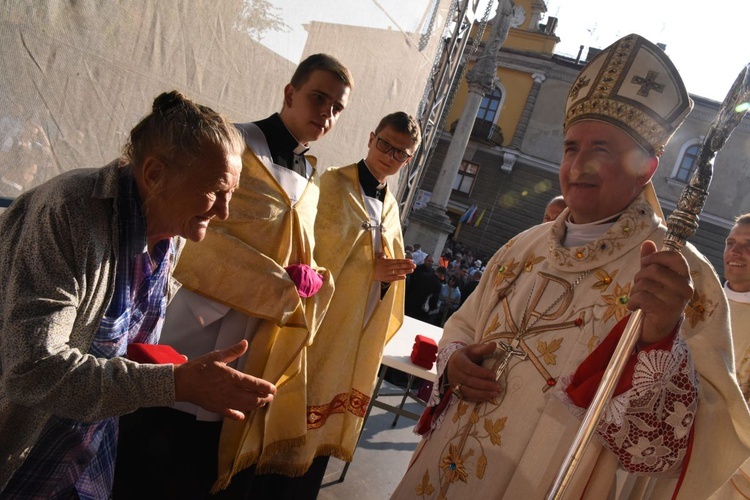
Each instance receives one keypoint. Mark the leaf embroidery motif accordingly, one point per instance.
(494, 429)
(425, 489)
(481, 466)
(531, 262)
(474, 417)
(462, 407)
(494, 325)
(548, 351)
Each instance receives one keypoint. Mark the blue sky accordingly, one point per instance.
(706, 41)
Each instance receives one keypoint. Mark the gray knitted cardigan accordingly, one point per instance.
(58, 257)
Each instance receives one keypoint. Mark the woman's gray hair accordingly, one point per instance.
(179, 130)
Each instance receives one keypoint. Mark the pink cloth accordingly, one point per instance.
(305, 278)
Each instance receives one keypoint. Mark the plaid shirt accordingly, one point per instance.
(72, 457)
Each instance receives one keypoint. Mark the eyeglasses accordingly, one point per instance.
(386, 147)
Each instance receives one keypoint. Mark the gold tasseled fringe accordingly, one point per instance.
(286, 469)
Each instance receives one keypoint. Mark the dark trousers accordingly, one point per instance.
(164, 453)
(278, 487)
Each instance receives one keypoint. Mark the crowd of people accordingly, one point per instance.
(436, 290)
(205, 316)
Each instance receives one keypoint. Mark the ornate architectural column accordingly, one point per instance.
(523, 123)
(430, 226)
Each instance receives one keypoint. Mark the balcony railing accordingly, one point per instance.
(483, 131)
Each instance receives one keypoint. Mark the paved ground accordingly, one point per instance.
(381, 457)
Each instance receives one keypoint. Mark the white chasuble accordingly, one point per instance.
(513, 446)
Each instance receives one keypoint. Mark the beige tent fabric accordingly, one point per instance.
(76, 76)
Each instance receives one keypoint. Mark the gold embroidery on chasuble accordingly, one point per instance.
(554, 312)
(699, 308)
(466, 452)
(547, 313)
(617, 302)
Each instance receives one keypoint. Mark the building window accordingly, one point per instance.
(490, 105)
(685, 166)
(467, 174)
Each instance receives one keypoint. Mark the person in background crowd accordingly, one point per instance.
(426, 266)
(462, 274)
(445, 258)
(423, 291)
(450, 299)
(86, 261)
(554, 208)
(476, 266)
(418, 254)
(469, 287)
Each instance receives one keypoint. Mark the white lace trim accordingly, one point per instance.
(648, 426)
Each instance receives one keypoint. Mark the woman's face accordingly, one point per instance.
(194, 194)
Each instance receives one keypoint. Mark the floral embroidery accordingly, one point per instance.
(548, 351)
(453, 465)
(615, 412)
(650, 453)
(425, 488)
(505, 272)
(697, 308)
(604, 279)
(630, 224)
(681, 420)
(654, 371)
(494, 429)
(616, 303)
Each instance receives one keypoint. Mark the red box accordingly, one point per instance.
(424, 352)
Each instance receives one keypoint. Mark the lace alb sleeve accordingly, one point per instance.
(648, 426)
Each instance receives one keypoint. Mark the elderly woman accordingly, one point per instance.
(86, 262)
